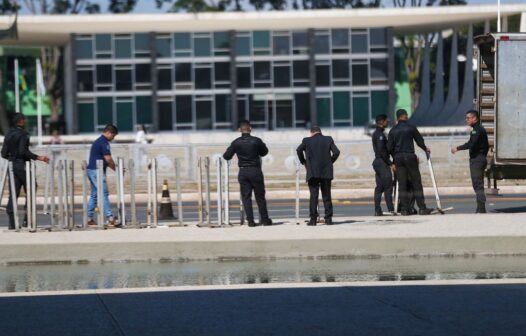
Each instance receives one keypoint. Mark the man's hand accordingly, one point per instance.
(428, 150)
(393, 168)
(454, 150)
(43, 158)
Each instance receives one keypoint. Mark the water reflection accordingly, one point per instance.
(28, 278)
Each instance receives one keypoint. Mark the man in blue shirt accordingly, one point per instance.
(100, 150)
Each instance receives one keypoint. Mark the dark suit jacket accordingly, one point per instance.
(321, 153)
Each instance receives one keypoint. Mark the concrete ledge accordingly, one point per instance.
(357, 237)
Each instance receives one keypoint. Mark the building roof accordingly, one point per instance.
(55, 29)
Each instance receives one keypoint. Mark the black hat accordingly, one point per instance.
(380, 117)
(400, 113)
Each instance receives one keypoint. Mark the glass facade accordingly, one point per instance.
(193, 76)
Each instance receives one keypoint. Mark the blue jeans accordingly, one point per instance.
(92, 176)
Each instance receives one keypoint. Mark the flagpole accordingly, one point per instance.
(498, 16)
(17, 88)
(39, 103)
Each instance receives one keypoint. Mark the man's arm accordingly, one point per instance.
(109, 161)
(299, 152)
(229, 153)
(4, 149)
(335, 151)
(23, 149)
(263, 150)
(473, 140)
(420, 140)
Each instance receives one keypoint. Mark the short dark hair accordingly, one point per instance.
(17, 117)
(380, 117)
(315, 129)
(110, 128)
(473, 112)
(400, 113)
(244, 125)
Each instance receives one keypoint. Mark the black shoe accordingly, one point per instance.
(405, 213)
(266, 222)
(312, 222)
(328, 221)
(251, 223)
(425, 211)
(378, 213)
(413, 211)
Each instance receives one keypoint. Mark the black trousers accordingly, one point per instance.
(407, 171)
(251, 179)
(477, 166)
(384, 184)
(315, 184)
(19, 173)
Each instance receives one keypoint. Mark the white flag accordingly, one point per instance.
(40, 79)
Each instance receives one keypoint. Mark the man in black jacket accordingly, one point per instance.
(383, 167)
(321, 153)
(249, 151)
(478, 146)
(16, 150)
(400, 145)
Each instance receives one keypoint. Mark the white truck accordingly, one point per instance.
(501, 102)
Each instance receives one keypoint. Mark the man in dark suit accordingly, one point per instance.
(318, 153)
(249, 150)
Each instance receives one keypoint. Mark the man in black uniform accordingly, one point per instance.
(400, 145)
(478, 150)
(321, 153)
(16, 150)
(249, 151)
(383, 167)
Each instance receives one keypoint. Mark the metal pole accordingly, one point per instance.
(46, 190)
(66, 194)
(29, 196)
(498, 16)
(17, 88)
(60, 188)
(219, 191)
(3, 180)
(133, 209)
(118, 186)
(72, 194)
(39, 102)
(83, 168)
(397, 197)
(154, 189)
(121, 180)
(52, 185)
(227, 192)
(100, 193)
(200, 191)
(207, 185)
(297, 192)
(435, 188)
(149, 203)
(34, 195)
(178, 189)
(13, 195)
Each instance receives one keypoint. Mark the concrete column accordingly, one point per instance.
(466, 101)
(391, 72)
(233, 80)
(504, 24)
(487, 27)
(153, 77)
(523, 23)
(452, 96)
(312, 77)
(70, 87)
(438, 93)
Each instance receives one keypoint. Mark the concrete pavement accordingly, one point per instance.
(436, 235)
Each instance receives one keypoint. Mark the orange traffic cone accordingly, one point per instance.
(165, 209)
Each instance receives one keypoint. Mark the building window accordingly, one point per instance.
(323, 73)
(340, 73)
(221, 44)
(163, 46)
(360, 110)
(243, 76)
(379, 103)
(143, 108)
(340, 41)
(341, 105)
(84, 49)
(281, 43)
(378, 36)
(85, 80)
(243, 44)
(183, 72)
(261, 42)
(323, 110)
(123, 48)
(262, 71)
(203, 112)
(203, 77)
(104, 77)
(165, 115)
(104, 111)
(123, 79)
(125, 113)
(321, 42)
(301, 73)
(302, 109)
(142, 73)
(379, 70)
(359, 44)
(142, 45)
(300, 44)
(202, 46)
(223, 108)
(86, 117)
(182, 45)
(183, 109)
(164, 77)
(284, 111)
(360, 74)
(281, 74)
(103, 46)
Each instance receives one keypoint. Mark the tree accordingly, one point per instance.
(413, 45)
